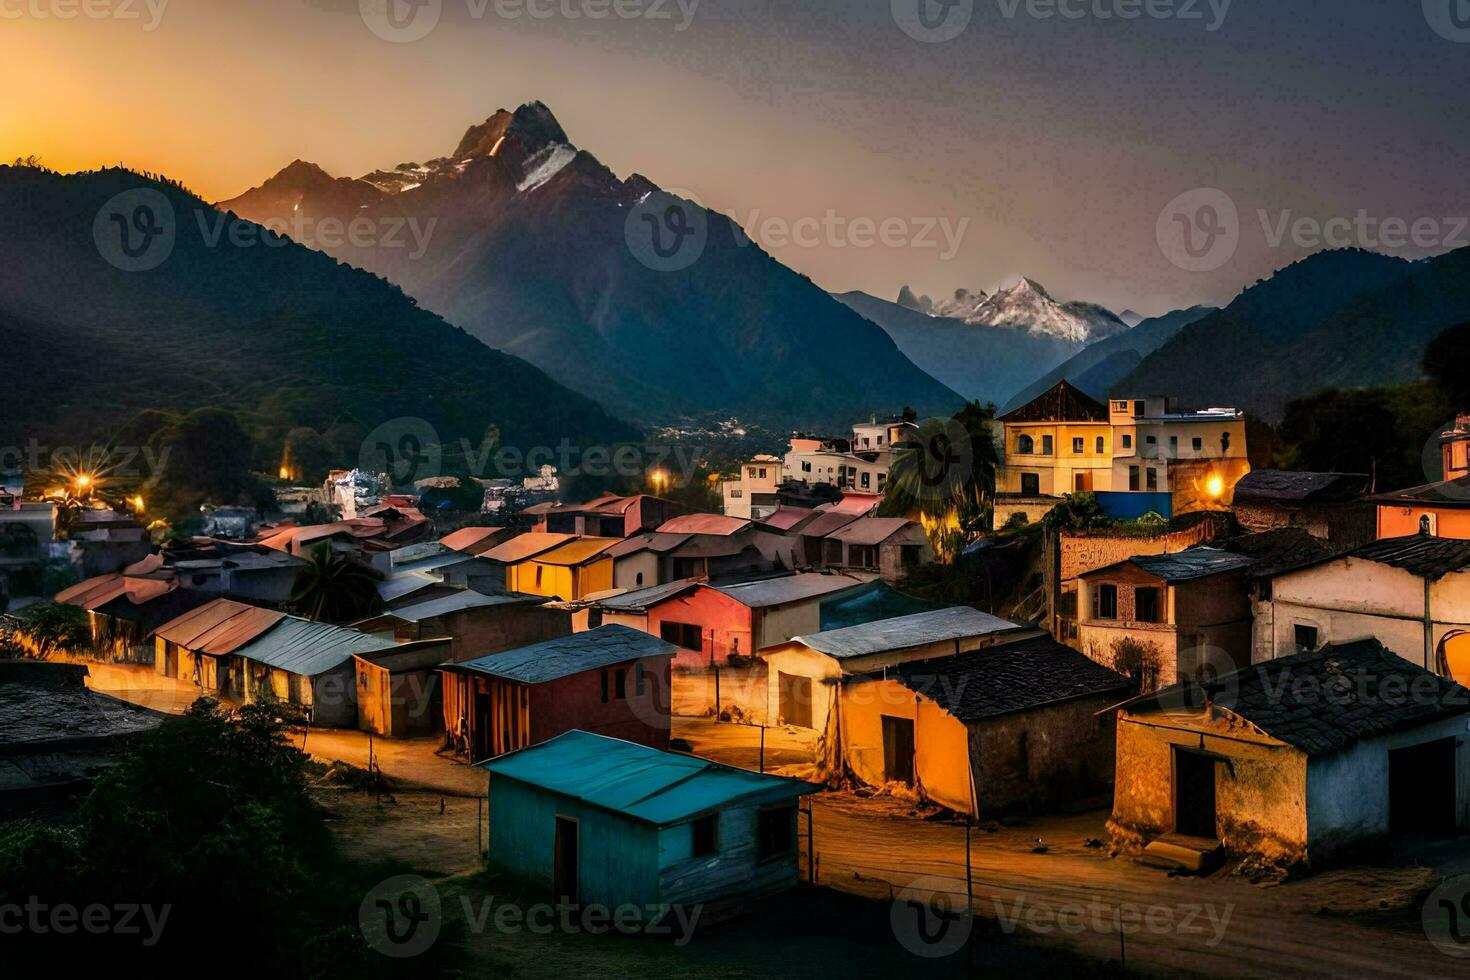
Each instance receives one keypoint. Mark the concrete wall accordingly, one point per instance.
(941, 742)
(476, 633)
(802, 661)
(1260, 783)
(724, 624)
(636, 571)
(576, 702)
(1346, 525)
(1047, 757)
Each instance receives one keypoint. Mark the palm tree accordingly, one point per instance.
(333, 588)
(944, 475)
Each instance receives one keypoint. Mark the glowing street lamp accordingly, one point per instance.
(137, 502)
(1215, 486)
(660, 480)
(83, 481)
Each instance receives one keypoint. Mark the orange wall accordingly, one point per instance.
(1400, 522)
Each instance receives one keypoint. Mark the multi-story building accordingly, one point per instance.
(753, 496)
(860, 465)
(1196, 458)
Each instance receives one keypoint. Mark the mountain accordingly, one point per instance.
(980, 363)
(536, 248)
(1098, 368)
(1131, 318)
(1346, 318)
(1025, 306)
(239, 319)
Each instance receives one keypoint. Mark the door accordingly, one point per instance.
(484, 747)
(566, 861)
(796, 699)
(1421, 788)
(898, 750)
(1194, 794)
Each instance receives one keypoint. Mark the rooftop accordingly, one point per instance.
(871, 530)
(459, 602)
(788, 589)
(918, 629)
(1448, 493)
(568, 655)
(1009, 678)
(650, 541)
(1183, 566)
(655, 787)
(644, 599)
(578, 552)
(1063, 402)
(876, 600)
(1289, 486)
(525, 546)
(1327, 701)
(1425, 556)
(705, 524)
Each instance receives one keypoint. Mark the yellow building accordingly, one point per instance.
(570, 571)
(1059, 443)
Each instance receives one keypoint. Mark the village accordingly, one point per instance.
(1163, 714)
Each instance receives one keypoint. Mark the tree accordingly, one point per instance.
(51, 627)
(943, 474)
(1076, 512)
(333, 588)
(1444, 361)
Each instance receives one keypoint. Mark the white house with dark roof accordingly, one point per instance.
(1293, 760)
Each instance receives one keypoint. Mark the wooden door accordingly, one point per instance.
(898, 750)
(795, 699)
(1194, 794)
(566, 872)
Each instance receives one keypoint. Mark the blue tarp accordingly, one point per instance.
(1129, 506)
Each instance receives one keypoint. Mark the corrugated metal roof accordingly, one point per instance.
(579, 552)
(919, 629)
(1452, 494)
(857, 504)
(653, 541)
(787, 518)
(705, 524)
(300, 646)
(874, 601)
(648, 785)
(870, 530)
(405, 583)
(472, 540)
(644, 599)
(1422, 554)
(792, 588)
(219, 627)
(97, 592)
(568, 655)
(466, 599)
(1289, 485)
(826, 523)
(527, 545)
(1183, 566)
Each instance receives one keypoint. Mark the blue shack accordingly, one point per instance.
(601, 821)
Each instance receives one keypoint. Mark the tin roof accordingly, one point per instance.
(582, 551)
(525, 546)
(645, 784)
(870, 530)
(97, 592)
(645, 599)
(472, 540)
(1327, 701)
(918, 629)
(568, 655)
(1008, 678)
(460, 601)
(405, 583)
(651, 541)
(789, 518)
(300, 646)
(1293, 487)
(219, 627)
(856, 504)
(1453, 494)
(1183, 566)
(876, 600)
(1422, 554)
(788, 589)
(1063, 402)
(826, 523)
(705, 524)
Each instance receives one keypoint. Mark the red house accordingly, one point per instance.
(611, 681)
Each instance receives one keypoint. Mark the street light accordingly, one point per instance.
(1215, 485)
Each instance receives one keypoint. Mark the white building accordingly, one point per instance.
(753, 497)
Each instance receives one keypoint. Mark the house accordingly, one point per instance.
(598, 821)
(1058, 443)
(104, 540)
(26, 530)
(790, 520)
(867, 603)
(608, 516)
(888, 547)
(803, 674)
(478, 540)
(613, 681)
(249, 573)
(1330, 506)
(776, 547)
(59, 734)
(1441, 509)
(1173, 462)
(569, 571)
(473, 623)
(123, 611)
(1011, 728)
(1412, 594)
(398, 692)
(755, 494)
(233, 650)
(1454, 445)
(1178, 613)
(231, 523)
(1293, 760)
(651, 559)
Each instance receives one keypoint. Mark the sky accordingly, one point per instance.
(1143, 154)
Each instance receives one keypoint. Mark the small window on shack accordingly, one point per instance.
(1105, 602)
(775, 832)
(706, 832)
(1306, 637)
(621, 684)
(1146, 605)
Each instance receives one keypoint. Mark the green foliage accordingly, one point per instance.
(332, 588)
(1444, 361)
(1383, 431)
(945, 472)
(1076, 512)
(309, 455)
(54, 628)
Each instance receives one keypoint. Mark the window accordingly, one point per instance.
(639, 580)
(1140, 409)
(1224, 442)
(867, 479)
(750, 472)
(1133, 479)
(639, 685)
(862, 556)
(538, 576)
(1030, 484)
(763, 474)
(1306, 638)
(775, 832)
(1079, 446)
(604, 687)
(1025, 445)
(1199, 444)
(1046, 446)
(1127, 441)
(621, 686)
(1120, 406)
(1151, 440)
(706, 833)
(736, 493)
(1153, 480)
(1105, 602)
(1173, 445)
(1146, 606)
(1101, 446)
(682, 635)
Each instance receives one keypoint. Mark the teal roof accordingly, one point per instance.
(300, 646)
(878, 600)
(639, 782)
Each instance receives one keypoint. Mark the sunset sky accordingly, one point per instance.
(1058, 139)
